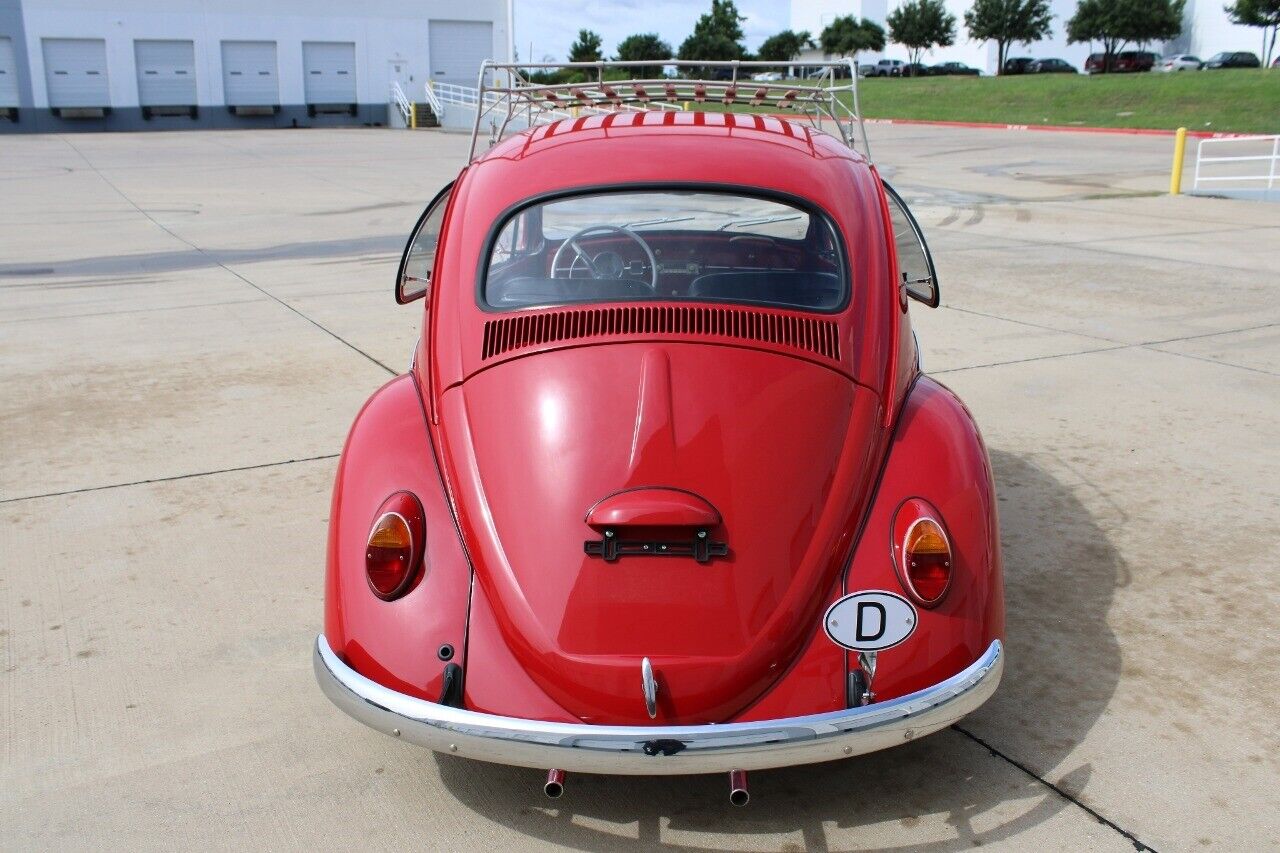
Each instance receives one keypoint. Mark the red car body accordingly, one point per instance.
(793, 436)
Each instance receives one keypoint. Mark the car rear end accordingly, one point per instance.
(642, 478)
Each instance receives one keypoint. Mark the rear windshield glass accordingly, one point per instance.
(665, 245)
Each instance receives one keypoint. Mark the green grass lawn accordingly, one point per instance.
(1235, 100)
(1244, 100)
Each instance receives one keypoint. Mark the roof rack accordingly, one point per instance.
(509, 100)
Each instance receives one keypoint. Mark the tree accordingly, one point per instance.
(1264, 14)
(920, 25)
(586, 48)
(1007, 21)
(1115, 23)
(717, 35)
(785, 46)
(642, 47)
(846, 36)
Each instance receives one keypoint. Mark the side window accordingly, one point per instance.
(414, 278)
(915, 264)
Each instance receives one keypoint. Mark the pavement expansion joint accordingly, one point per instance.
(1092, 812)
(220, 264)
(169, 479)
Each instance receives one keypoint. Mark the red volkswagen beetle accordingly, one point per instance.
(665, 490)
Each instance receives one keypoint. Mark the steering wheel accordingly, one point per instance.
(606, 265)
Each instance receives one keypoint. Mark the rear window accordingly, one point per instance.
(667, 245)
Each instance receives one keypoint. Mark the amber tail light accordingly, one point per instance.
(922, 552)
(393, 555)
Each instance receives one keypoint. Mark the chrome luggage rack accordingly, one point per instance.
(507, 97)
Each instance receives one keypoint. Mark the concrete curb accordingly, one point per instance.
(1057, 128)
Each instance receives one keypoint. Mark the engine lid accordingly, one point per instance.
(553, 455)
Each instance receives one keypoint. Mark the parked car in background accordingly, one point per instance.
(1128, 61)
(916, 69)
(953, 69)
(866, 70)
(767, 76)
(840, 72)
(887, 68)
(1135, 60)
(1233, 59)
(1051, 66)
(1017, 64)
(1180, 62)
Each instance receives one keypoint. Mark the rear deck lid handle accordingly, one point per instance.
(652, 507)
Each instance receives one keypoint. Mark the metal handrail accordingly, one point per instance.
(432, 100)
(827, 98)
(468, 96)
(1272, 176)
(401, 102)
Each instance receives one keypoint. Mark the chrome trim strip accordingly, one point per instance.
(658, 750)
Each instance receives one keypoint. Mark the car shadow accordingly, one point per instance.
(1060, 575)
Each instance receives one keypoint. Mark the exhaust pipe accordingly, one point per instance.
(738, 793)
(555, 784)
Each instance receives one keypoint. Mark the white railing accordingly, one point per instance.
(452, 93)
(401, 102)
(468, 97)
(440, 94)
(432, 100)
(1238, 170)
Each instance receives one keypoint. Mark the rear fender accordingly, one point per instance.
(396, 643)
(936, 454)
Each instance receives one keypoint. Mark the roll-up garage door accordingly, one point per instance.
(249, 74)
(166, 73)
(457, 50)
(8, 74)
(329, 71)
(76, 72)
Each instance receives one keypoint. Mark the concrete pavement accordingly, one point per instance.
(189, 322)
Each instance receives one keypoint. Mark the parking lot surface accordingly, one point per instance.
(189, 322)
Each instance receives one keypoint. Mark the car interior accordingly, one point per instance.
(665, 245)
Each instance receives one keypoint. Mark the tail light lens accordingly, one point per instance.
(393, 555)
(922, 552)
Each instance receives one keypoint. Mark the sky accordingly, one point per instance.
(552, 25)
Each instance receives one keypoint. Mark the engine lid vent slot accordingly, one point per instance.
(520, 331)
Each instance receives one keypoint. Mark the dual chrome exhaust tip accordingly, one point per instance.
(739, 795)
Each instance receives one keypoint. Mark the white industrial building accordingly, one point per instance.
(1206, 30)
(141, 64)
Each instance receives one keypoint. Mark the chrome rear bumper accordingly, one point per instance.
(658, 750)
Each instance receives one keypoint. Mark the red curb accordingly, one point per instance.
(1055, 128)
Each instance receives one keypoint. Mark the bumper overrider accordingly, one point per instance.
(658, 750)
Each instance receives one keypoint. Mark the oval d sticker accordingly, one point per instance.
(870, 621)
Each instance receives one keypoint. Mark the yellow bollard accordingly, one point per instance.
(1179, 149)
(686, 106)
(413, 116)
